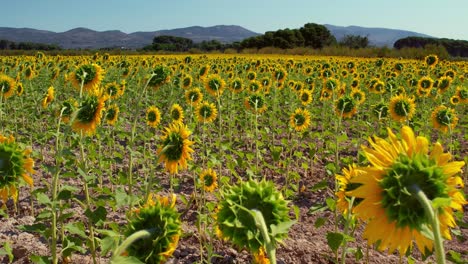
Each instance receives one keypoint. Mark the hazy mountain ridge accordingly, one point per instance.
(84, 38)
(377, 36)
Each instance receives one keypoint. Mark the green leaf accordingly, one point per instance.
(77, 228)
(441, 202)
(358, 255)
(72, 245)
(320, 222)
(7, 251)
(125, 260)
(98, 215)
(334, 240)
(317, 208)
(331, 203)
(42, 198)
(39, 259)
(456, 257)
(108, 243)
(281, 228)
(319, 186)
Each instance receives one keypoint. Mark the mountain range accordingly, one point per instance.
(84, 38)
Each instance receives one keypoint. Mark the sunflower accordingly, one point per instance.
(214, 85)
(431, 60)
(89, 114)
(69, 106)
(159, 76)
(345, 106)
(159, 215)
(326, 95)
(300, 119)
(331, 84)
(236, 85)
(358, 95)
(29, 73)
(175, 150)
(279, 75)
(345, 186)
(209, 180)
(112, 113)
(113, 90)
(7, 86)
(398, 168)
(193, 96)
(206, 112)
(177, 113)
(305, 96)
(19, 89)
(203, 72)
(444, 118)
(425, 83)
(401, 108)
(378, 87)
(260, 257)
(90, 75)
(443, 84)
(462, 93)
(255, 103)
(14, 163)
(380, 110)
(254, 87)
(251, 75)
(187, 81)
(49, 97)
(153, 116)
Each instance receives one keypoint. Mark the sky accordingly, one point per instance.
(437, 18)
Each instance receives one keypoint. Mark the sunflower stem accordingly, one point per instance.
(261, 225)
(142, 234)
(434, 221)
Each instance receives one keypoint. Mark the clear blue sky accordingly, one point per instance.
(447, 18)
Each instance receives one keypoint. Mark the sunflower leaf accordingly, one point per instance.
(334, 240)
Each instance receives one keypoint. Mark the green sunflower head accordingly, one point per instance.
(160, 217)
(159, 76)
(235, 221)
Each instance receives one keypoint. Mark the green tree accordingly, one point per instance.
(354, 41)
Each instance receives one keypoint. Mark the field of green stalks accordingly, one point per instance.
(232, 159)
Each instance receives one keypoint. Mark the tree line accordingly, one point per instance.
(456, 48)
(11, 45)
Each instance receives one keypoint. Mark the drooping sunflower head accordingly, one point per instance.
(175, 150)
(159, 76)
(90, 75)
(443, 84)
(380, 110)
(209, 180)
(177, 113)
(206, 112)
(193, 96)
(236, 85)
(425, 83)
(112, 113)
(444, 118)
(305, 96)
(153, 116)
(431, 60)
(345, 185)
(113, 90)
(358, 95)
(214, 85)
(15, 165)
(345, 106)
(398, 169)
(187, 81)
(402, 108)
(300, 119)
(68, 108)
(7, 86)
(255, 103)
(160, 216)
(89, 114)
(29, 73)
(49, 97)
(279, 75)
(254, 87)
(462, 94)
(236, 224)
(251, 75)
(19, 89)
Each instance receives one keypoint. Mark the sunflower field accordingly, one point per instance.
(232, 159)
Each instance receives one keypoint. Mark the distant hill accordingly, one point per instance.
(84, 38)
(377, 36)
